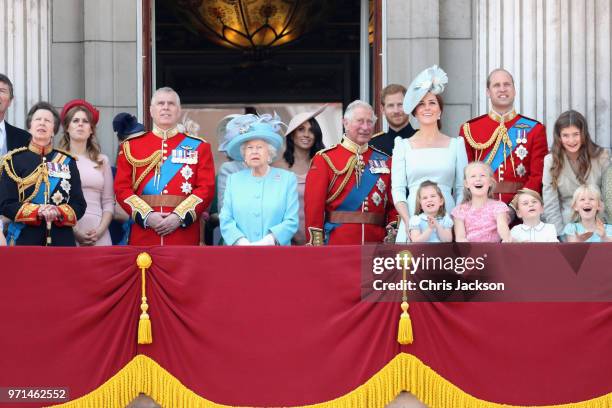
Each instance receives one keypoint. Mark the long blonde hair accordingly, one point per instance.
(93, 147)
(585, 189)
(467, 194)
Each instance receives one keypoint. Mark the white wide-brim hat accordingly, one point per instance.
(300, 118)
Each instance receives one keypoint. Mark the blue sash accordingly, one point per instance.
(14, 228)
(523, 123)
(169, 169)
(355, 197)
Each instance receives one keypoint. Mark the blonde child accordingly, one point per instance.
(529, 207)
(479, 218)
(587, 226)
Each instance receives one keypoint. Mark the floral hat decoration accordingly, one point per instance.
(250, 127)
(431, 80)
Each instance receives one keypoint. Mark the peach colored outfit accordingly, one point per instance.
(97, 185)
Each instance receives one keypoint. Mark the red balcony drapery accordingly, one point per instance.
(280, 327)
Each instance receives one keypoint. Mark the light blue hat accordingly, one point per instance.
(431, 80)
(221, 131)
(250, 127)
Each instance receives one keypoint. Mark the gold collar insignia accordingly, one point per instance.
(165, 134)
(506, 117)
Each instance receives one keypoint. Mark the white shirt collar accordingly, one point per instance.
(3, 138)
(538, 227)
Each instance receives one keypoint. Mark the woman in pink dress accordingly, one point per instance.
(79, 119)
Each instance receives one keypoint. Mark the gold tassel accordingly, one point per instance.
(404, 332)
(145, 335)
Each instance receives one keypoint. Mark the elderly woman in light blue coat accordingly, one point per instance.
(260, 203)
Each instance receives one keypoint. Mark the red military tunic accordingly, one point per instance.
(523, 167)
(331, 178)
(188, 193)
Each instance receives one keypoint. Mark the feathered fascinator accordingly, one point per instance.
(432, 79)
(189, 126)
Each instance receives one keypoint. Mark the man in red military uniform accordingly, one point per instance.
(165, 179)
(348, 187)
(512, 144)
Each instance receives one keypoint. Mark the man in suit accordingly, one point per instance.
(10, 136)
(392, 106)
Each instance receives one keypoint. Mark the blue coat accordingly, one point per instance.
(256, 206)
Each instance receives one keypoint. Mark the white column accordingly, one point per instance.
(559, 53)
(24, 53)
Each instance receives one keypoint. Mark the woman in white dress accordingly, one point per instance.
(429, 154)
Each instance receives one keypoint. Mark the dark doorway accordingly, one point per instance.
(322, 65)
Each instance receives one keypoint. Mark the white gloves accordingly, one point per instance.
(242, 241)
(268, 240)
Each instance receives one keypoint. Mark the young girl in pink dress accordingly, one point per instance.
(479, 218)
(79, 119)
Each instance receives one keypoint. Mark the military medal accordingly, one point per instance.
(521, 152)
(65, 184)
(186, 172)
(378, 167)
(521, 134)
(376, 198)
(186, 187)
(57, 198)
(380, 184)
(58, 170)
(185, 155)
(521, 170)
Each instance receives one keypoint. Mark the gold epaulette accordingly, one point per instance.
(327, 149)
(62, 151)
(377, 134)
(8, 157)
(196, 137)
(36, 178)
(12, 152)
(133, 136)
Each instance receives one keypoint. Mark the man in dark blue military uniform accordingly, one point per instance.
(392, 99)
